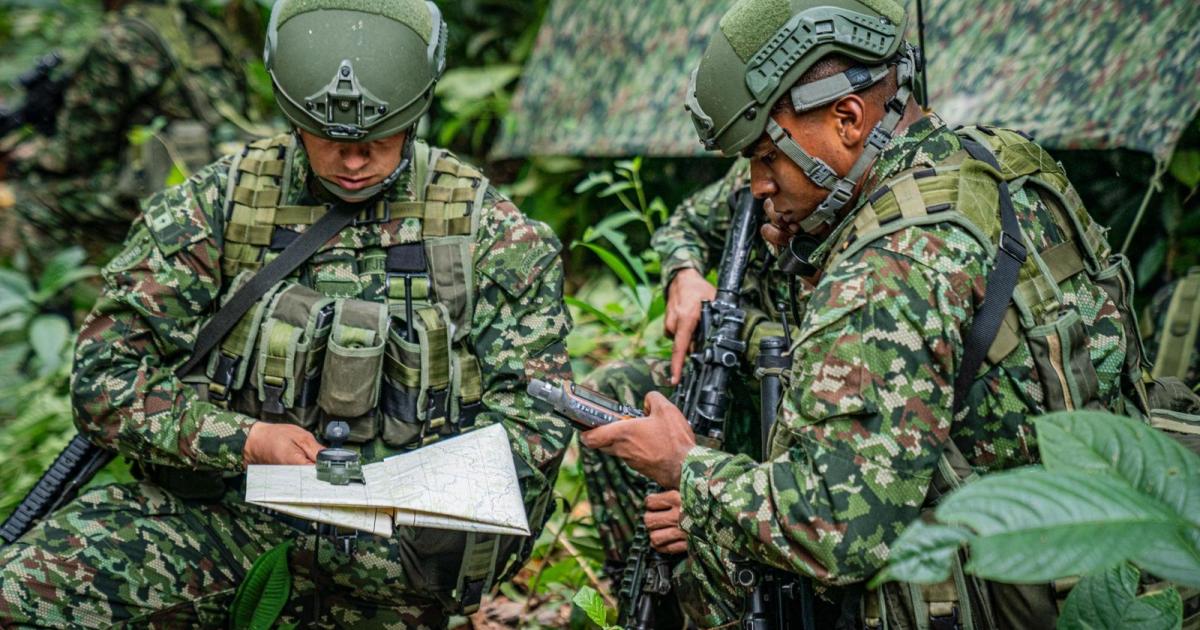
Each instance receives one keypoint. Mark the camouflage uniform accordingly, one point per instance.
(692, 238)
(151, 60)
(867, 413)
(136, 553)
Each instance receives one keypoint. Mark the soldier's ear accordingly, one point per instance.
(849, 118)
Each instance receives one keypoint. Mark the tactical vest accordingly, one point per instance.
(192, 141)
(400, 369)
(1054, 332)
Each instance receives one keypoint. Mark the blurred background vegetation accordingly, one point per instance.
(603, 210)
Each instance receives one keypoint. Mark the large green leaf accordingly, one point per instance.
(1175, 558)
(592, 604)
(49, 334)
(1148, 459)
(261, 596)
(1091, 522)
(923, 553)
(1109, 600)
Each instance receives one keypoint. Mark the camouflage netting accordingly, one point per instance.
(608, 78)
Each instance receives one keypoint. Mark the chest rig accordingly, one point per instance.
(1038, 314)
(374, 328)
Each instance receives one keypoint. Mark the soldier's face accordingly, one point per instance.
(353, 165)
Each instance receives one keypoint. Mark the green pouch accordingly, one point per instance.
(418, 378)
(353, 364)
(1064, 365)
(290, 351)
(1117, 281)
(227, 367)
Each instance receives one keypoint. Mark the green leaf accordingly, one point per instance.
(1185, 166)
(614, 188)
(261, 596)
(1151, 262)
(923, 554)
(593, 180)
(592, 604)
(614, 263)
(49, 334)
(16, 284)
(466, 85)
(1146, 458)
(1175, 558)
(177, 176)
(1109, 600)
(604, 318)
(1092, 522)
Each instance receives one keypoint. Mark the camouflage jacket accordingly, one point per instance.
(868, 410)
(168, 281)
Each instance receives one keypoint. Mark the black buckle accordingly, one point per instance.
(437, 405)
(878, 138)
(945, 622)
(821, 173)
(467, 412)
(1013, 247)
(273, 398)
(223, 375)
(472, 593)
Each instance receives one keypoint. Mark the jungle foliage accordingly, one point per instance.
(605, 211)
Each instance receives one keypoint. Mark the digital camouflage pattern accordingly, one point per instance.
(157, 293)
(606, 79)
(88, 178)
(692, 238)
(867, 411)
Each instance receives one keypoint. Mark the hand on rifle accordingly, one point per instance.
(662, 521)
(655, 445)
(270, 443)
(685, 296)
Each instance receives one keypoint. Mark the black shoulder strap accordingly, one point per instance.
(998, 290)
(338, 217)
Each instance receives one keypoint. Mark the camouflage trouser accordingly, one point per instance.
(617, 493)
(133, 554)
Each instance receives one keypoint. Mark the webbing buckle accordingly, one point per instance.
(878, 138)
(1013, 247)
(373, 214)
(821, 173)
(223, 375)
(273, 398)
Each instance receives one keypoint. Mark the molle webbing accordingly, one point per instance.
(915, 196)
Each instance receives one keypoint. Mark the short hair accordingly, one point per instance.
(878, 94)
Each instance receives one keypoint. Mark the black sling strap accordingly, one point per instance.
(338, 217)
(998, 290)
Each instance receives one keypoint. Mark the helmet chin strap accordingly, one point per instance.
(363, 194)
(799, 256)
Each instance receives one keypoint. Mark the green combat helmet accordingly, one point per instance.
(355, 70)
(759, 53)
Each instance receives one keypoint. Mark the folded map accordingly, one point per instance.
(466, 483)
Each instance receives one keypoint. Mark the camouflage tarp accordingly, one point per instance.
(608, 78)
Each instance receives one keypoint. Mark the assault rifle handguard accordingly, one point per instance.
(73, 467)
(702, 396)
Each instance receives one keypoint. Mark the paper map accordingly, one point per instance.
(464, 483)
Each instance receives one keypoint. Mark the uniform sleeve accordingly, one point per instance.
(120, 70)
(694, 234)
(863, 422)
(156, 293)
(519, 330)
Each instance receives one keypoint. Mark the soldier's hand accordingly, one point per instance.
(685, 295)
(662, 521)
(655, 445)
(780, 227)
(270, 443)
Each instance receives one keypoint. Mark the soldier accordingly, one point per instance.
(440, 300)
(164, 65)
(960, 289)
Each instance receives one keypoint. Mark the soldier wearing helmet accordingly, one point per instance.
(160, 64)
(422, 318)
(958, 288)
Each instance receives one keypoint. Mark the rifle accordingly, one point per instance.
(778, 600)
(74, 467)
(43, 98)
(702, 396)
